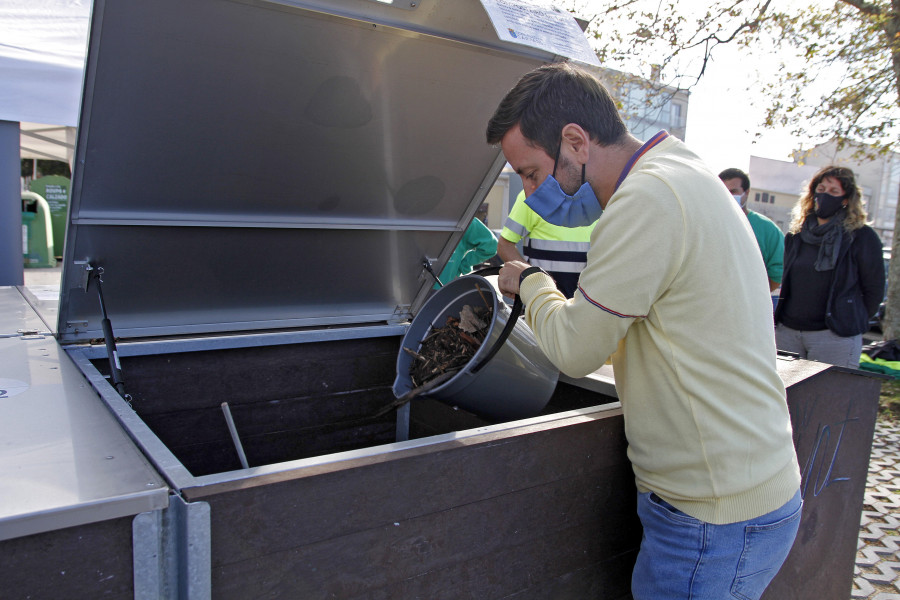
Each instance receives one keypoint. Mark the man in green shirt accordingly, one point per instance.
(769, 237)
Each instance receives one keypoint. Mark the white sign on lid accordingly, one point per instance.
(539, 25)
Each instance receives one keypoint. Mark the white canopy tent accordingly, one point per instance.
(47, 142)
(42, 54)
(41, 70)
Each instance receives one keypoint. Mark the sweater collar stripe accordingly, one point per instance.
(640, 152)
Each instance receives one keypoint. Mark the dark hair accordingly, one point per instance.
(856, 212)
(552, 96)
(732, 173)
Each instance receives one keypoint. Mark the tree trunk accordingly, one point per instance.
(891, 323)
(890, 326)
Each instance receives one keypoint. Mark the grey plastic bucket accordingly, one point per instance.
(515, 383)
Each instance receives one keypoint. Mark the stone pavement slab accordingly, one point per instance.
(877, 571)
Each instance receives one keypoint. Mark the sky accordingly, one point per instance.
(721, 121)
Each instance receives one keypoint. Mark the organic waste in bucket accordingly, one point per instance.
(512, 379)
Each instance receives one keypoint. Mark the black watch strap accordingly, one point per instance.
(529, 271)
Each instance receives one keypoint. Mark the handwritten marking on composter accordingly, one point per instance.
(820, 465)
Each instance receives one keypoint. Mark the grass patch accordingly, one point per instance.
(889, 401)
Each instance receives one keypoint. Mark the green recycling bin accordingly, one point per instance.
(37, 232)
(55, 190)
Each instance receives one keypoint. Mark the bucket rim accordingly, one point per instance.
(484, 348)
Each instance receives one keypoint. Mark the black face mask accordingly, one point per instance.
(827, 205)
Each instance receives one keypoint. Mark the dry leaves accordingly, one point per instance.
(451, 347)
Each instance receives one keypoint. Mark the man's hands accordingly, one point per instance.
(508, 281)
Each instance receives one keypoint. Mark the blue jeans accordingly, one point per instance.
(682, 558)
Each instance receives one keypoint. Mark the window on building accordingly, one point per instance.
(765, 197)
(676, 114)
(757, 196)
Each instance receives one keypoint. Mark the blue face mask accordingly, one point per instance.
(557, 207)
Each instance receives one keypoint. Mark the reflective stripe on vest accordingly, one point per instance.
(555, 255)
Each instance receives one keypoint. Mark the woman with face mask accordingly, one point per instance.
(833, 272)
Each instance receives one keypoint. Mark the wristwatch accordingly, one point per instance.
(529, 271)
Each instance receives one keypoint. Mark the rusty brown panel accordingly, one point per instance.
(552, 506)
(84, 562)
(833, 416)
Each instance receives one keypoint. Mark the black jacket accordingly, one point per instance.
(857, 285)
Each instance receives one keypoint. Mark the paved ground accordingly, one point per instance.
(877, 573)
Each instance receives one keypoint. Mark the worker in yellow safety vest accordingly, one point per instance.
(560, 251)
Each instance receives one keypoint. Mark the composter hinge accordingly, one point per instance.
(83, 274)
(27, 334)
(32, 334)
(402, 313)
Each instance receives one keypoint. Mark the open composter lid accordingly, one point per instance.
(247, 165)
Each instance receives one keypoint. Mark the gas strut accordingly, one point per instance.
(115, 368)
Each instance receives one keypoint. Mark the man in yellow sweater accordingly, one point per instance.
(672, 261)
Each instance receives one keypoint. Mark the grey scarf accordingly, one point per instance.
(827, 237)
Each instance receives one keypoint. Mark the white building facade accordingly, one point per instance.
(776, 185)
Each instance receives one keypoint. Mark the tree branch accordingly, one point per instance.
(865, 7)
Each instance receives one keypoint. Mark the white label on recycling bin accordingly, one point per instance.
(537, 24)
(11, 387)
(24, 239)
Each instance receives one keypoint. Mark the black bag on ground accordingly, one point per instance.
(885, 350)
